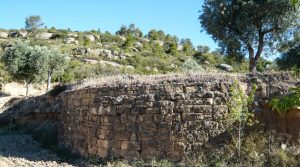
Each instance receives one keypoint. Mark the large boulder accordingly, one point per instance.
(158, 42)
(44, 35)
(3, 35)
(179, 47)
(23, 34)
(18, 34)
(225, 67)
(90, 37)
(138, 44)
(79, 51)
(72, 35)
(144, 40)
(122, 38)
(95, 52)
(71, 40)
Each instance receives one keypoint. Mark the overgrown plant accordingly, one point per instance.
(282, 104)
(239, 115)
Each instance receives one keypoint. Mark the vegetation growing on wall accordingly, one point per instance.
(284, 103)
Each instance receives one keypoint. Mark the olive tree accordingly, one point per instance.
(57, 63)
(26, 63)
(249, 24)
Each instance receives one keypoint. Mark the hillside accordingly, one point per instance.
(128, 51)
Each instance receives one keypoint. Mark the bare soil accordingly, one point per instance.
(18, 150)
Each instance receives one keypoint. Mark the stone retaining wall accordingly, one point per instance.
(163, 120)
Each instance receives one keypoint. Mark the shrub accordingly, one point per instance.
(282, 104)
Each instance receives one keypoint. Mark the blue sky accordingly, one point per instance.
(177, 17)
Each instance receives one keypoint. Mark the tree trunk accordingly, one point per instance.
(27, 87)
(253, 58)
(252, 63)
(49, 80)
(252, 67)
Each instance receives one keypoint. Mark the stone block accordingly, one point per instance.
(130, 146)
(202, 109)
(121, 135)
(102, 152)
(103, 143)
(173, 156)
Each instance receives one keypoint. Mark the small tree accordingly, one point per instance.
(32, 23)
(57, 62)
(239, 115)
(26, 63)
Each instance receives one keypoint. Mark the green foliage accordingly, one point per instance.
(130, 31)
(26, 63)
(212, 58)
(282, 104)
(239, 104)
(289, 59)
(156, 35)
(235, 24)
(58, 34)
(239, 115)
(191, 65)
(128, 42)
(33, 23)
(57, 61)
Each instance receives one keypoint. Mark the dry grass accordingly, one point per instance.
(273, 77)
(156, 79)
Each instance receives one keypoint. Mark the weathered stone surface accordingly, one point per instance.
(90, 37)
(3, 35)
(44, 35)
(145, 121)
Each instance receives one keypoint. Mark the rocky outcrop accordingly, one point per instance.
(225, 67)
(102, 53)
(90, 37)
(158, 42)
(71, 40)
(44, 35)
(3, 35)
(18, 34)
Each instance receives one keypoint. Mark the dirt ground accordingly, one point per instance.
(22, 151)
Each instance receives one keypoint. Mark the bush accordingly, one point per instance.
(191, 65)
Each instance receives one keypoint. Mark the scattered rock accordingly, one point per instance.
(145, 40)
(122, 38)
(91, 61)
(79, 51)
(72, 35)
(44, 35)
(179, 47)
(71, 40)
(225, 67)
(158, 42)
(90, 37)
(206, 62)
(18, 34)
(3, 35)
(138, 44)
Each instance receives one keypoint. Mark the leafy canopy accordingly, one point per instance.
(34, 22)
(249, 24)
(26, 63)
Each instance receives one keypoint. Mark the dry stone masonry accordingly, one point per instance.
(160, 120)
(145, 121)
